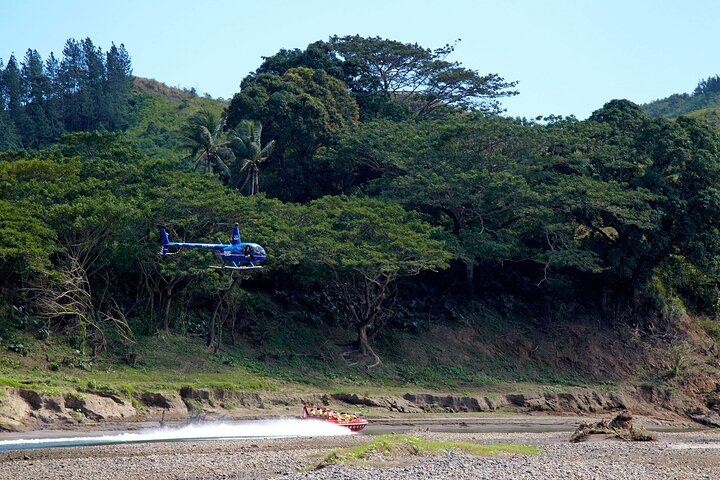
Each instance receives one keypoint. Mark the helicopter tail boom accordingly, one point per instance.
(166, 242)
(235, 239)
(165, 239)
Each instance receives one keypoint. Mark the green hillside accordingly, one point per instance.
(705, 96)
(417, 239)
(710, 115)
(157, 112)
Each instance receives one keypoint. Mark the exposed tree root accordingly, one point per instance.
(620, 427)
(354, 357)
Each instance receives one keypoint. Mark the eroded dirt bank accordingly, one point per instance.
(25, 410)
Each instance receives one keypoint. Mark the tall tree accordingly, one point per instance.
(71, 79)
(203, 135)
(15, 98)
(246, 142)
(92, 89)
(419, 77)
(118, 87)
(368, 245)
(302, 110)
(53, 104)
(396, 80)
(37, 90)
(9, 139)
(318, 56)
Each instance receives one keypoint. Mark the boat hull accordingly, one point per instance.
(320, 414)
(355, 425)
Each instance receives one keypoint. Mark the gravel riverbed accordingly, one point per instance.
(687, 455)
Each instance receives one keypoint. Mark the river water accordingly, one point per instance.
(275, 428)
(294, 427)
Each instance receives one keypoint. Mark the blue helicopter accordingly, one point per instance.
(237, 255)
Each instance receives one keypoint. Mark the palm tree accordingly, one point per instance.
(202, 134)
(246, 143)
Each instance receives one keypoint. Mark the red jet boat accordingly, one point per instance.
(347, 420)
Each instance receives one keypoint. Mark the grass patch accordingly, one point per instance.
(710, 326)
(404, 445)
(10, 382)
(171, 362)
(77, 396)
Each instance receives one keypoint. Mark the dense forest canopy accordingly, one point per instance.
(388, 78)
(84, 90)
(380, 177)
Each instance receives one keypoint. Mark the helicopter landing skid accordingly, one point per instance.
(228, 267)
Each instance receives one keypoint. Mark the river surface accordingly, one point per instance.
(271, 428)
(294, 427)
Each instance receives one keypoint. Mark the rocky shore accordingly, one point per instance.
(686, 455)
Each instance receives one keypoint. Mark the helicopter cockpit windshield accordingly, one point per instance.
(254, 250)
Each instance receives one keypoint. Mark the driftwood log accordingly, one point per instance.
(619, 427)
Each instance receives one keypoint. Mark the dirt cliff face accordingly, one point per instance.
(22, 409)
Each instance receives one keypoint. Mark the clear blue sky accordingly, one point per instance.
(570, 56)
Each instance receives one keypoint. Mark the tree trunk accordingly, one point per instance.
(166, 308)
(365, 348)
(216, 318)
(210, 339)
(470, 277)
(255, 181)
(457, 223)
(363, 343)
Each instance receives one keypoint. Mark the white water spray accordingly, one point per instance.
(277, 428)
